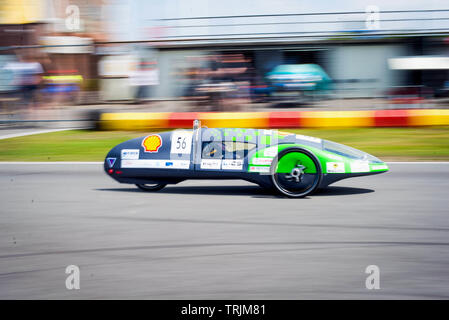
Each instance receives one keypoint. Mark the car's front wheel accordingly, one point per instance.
(296, 172)
(151, 187)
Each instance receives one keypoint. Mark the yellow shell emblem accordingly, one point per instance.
(152, 143)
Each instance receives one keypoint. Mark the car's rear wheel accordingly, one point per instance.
(151, 186)
(296, 172)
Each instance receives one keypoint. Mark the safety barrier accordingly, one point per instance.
(279, 119)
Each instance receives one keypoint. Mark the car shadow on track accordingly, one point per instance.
(253, 191)
(338, 191)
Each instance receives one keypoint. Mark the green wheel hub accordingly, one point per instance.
(296, 173)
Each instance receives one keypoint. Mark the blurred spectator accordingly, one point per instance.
(9, 85)
(143, 79)
(222, 85)
(28, 76)
(62, 86)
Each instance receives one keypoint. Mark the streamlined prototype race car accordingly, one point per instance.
(293, 165)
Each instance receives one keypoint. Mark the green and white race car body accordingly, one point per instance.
(294, 165)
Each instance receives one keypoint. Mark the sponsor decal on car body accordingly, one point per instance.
(110, 162)
(156, 164)
(359, 166)
(211, 164)
(259, 169)
(262, 161)
(335, 167)
(152, 143)
(130, 154)
(181, 142)
(232, 164)
(271, 151)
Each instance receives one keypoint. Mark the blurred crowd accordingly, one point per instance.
(231, 82)
(215, 82)
(30, 81)
(222, 83)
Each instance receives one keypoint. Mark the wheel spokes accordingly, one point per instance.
(296, 173)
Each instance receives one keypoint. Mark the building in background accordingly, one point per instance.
(353, 42)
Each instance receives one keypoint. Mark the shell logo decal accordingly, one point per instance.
(152, 143)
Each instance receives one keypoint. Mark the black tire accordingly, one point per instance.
(294, 189)
(151, 187)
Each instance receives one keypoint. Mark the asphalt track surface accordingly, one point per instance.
(222, 239)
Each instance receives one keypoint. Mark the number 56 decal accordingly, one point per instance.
(181, 142)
